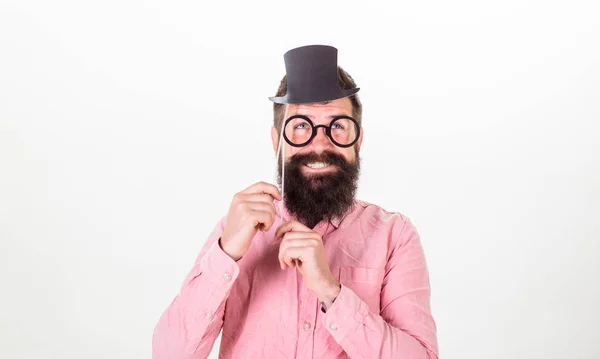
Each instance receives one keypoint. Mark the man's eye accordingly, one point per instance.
(301, 126)
(337, 125)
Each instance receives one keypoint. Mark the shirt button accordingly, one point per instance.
(333, 326)
(208, 314)
(306, 325)
(227, 277)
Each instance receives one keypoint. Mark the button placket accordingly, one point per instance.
(307, 316)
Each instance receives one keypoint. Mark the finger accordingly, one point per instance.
(261, 206)
(293, 253)
(291, 226)
(263, 220)
(256, 197)
(296, 242)
(257, 211)
(310, 243)
(300, 236)
(263, 187)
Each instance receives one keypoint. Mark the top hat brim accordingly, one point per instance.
(314, 98)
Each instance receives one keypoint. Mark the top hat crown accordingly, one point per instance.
(312, 76)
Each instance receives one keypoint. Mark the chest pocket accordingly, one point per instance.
(366, 283)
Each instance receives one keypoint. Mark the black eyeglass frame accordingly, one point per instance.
(327, 130)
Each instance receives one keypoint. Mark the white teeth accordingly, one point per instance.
(317, 165)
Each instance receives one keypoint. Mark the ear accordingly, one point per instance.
(274, 139)
(360, 138)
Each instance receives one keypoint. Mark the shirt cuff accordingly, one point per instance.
(207, 286)
(345, 314)
(217, 267)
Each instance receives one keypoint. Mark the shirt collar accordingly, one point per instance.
(285, 215)
(337, 221)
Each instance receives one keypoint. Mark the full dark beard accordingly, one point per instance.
(315, 197)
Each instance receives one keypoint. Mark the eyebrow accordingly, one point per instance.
(331, 117)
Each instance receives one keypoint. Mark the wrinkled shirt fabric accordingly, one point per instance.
(382, 311)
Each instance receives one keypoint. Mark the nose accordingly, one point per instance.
(321, 141)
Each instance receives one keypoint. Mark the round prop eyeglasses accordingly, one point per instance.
(299, 130)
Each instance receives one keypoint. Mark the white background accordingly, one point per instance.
(126, 126)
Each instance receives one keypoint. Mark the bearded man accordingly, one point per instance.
(306, 270)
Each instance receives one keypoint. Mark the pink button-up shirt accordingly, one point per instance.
(382, 311)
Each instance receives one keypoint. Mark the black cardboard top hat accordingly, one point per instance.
(311, 73)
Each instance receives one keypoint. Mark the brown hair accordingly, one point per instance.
(344, 80)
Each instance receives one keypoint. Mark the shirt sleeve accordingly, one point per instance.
(405, 326)
(189, 326)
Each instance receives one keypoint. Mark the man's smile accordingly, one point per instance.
(317, 167)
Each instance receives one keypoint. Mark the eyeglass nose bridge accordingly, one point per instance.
(327, 132)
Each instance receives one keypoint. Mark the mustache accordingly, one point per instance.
(326, 156)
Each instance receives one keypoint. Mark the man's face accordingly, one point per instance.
(320, 178)
(319, 115)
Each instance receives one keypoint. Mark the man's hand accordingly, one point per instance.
(302, 247)
(251, 210)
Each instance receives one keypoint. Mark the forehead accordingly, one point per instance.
(341, 106)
